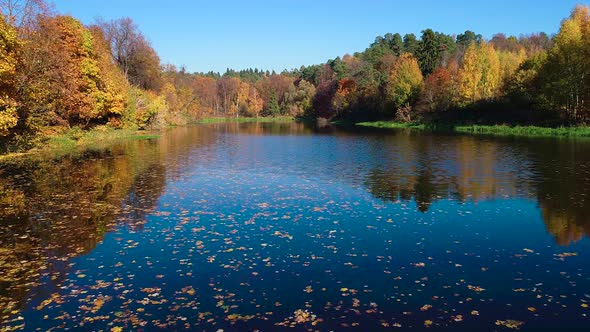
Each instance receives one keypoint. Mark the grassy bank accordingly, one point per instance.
(245, 119)
(392, 125)
(497, 130)
(503, 130)
(76, 140)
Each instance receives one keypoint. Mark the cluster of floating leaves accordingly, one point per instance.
(300, 317)
(511, 324)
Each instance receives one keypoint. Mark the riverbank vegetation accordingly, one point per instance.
(57, 74)
(495, 130)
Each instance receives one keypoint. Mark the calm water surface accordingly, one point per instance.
(241, 227)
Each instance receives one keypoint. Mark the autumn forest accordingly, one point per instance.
(57, 74)
(428, 181)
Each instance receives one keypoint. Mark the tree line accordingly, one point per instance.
(57, 73)
(440, 76)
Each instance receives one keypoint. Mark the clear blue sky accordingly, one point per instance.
(273, 34)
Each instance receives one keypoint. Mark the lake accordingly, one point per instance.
(270, 226)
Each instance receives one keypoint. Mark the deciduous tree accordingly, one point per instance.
(405, 81)
(9, 48)
(567, 71)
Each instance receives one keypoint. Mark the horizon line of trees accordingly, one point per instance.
(56, 73)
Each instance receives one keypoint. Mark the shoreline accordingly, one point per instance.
(487, 130)
(78, 141)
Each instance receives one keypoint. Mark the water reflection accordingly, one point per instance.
(426, 169)
(562, 187)
(54, 210)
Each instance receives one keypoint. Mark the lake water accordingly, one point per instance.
(242, 227)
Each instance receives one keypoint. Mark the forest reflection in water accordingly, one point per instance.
(555, 173)
(52, 211)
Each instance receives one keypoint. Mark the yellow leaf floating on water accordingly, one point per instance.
(98, 303)
(510, 323)
(584, 305)
(189, 290)
(54, 297)
(117, 329)
(425, 307)
(532, 309)
(427, 323)
(565, 254)
(475, 288)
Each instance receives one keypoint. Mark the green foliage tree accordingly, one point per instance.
(523, 87)
(429, 52)
(273, 108)
(299, 98)
(465, 39)
(411, 44)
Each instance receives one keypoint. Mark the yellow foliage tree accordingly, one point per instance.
(490, 68)
(112, 82)
(510, 62)
(567, 72)
(470, 75)
(255, 102)
(67, 77)
(242, 99)
(480, 73)
(405, 81)
(9, 45)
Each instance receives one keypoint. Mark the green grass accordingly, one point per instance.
(76, 140)
(504, 130)
(246, 119)
(392, 125)
(496, 130)
(93, 139)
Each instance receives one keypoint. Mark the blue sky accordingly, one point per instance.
(273, 34)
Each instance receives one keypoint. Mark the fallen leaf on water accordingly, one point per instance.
(510, 323)
(475, 288)
(425, 307)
